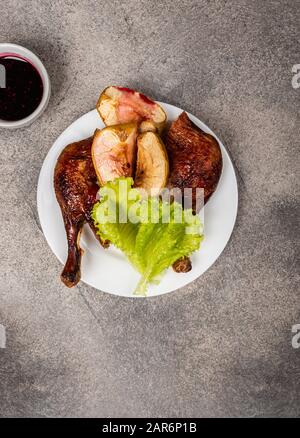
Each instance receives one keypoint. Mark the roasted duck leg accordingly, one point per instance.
(195, 162)
(76, 187)
(195, 158)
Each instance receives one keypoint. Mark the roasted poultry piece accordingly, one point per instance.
(195, 158)
(195, 162)
(76, 187)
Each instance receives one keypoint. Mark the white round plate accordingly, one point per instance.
(108, 270)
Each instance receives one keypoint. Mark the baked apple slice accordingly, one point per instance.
(114, 151)
(122, 105)
(152, 166)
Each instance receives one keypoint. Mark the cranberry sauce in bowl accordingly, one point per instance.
(24, 86)
(23, 89)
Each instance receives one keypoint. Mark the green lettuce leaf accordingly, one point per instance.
(152, 233)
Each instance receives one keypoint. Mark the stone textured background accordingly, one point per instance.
(222, 345)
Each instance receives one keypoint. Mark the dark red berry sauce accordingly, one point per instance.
(23, 90)
(142, 96)
(146, 99)
(128, 90)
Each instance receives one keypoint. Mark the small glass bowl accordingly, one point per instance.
(11, 50)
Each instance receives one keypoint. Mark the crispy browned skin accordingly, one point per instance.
(195, 161)
(182, 265)
(76, 187)
(195, 158)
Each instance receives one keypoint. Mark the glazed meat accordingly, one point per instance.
(195, 159)
(195, 162)
(76, 187)
(182, 265)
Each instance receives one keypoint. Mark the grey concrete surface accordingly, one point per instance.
(221, 346)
